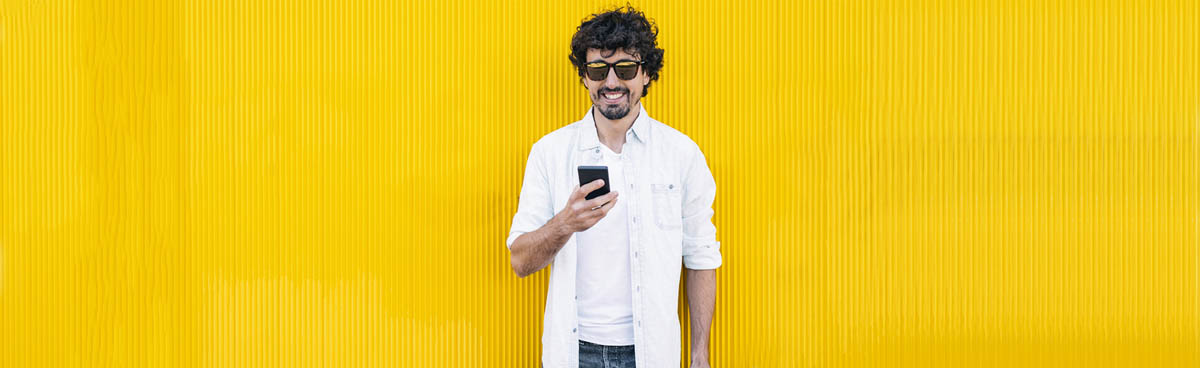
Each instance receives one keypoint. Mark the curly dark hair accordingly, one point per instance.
(621, 28)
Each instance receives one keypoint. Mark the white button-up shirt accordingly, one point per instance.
(669, 191)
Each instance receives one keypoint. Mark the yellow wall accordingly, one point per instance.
(302, 183)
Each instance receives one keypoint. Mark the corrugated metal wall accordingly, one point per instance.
(302, 183)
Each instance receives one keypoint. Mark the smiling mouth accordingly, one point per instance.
(613, 97)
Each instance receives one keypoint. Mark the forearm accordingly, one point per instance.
(532, 251)
(702, 296)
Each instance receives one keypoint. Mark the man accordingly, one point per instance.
(612, 298)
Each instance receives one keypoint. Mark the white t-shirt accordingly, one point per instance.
(603, 283)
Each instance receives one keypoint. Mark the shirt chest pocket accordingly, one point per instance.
(668, 206)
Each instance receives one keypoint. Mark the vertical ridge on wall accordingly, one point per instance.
(315, 183)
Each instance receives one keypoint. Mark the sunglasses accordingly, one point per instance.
(626, 69)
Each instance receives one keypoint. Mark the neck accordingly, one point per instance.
(612, 132)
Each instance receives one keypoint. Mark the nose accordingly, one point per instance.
(611, 81)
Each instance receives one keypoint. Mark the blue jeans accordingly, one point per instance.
(605, 356)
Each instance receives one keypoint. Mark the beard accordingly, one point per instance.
(614, 112)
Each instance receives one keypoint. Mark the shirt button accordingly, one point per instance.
(573, 330)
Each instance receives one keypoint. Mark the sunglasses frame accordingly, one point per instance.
(611, 67)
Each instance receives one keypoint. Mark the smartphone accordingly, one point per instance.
(588, 174)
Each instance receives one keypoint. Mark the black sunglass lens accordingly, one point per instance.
(597, 72)
(626, 71)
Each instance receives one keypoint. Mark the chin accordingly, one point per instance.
(608, 111)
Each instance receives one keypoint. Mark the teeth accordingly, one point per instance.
(613, 96)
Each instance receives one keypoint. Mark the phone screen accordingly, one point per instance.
(588, 174)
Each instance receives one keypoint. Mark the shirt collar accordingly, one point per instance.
(589, 138)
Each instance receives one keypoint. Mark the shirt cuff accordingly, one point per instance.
(703, 257)
(512, 237)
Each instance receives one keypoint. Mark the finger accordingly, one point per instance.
(607, 207)
(601, 200)
(582, 191)
(576, 194)
(595, 216)
(595, 184)
(601, 211)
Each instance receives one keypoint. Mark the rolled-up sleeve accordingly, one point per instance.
(534, 207)
(701, 250)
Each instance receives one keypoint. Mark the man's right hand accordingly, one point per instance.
(580, 213)
(532, 251)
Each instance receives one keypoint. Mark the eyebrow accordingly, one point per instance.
(602, 61)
